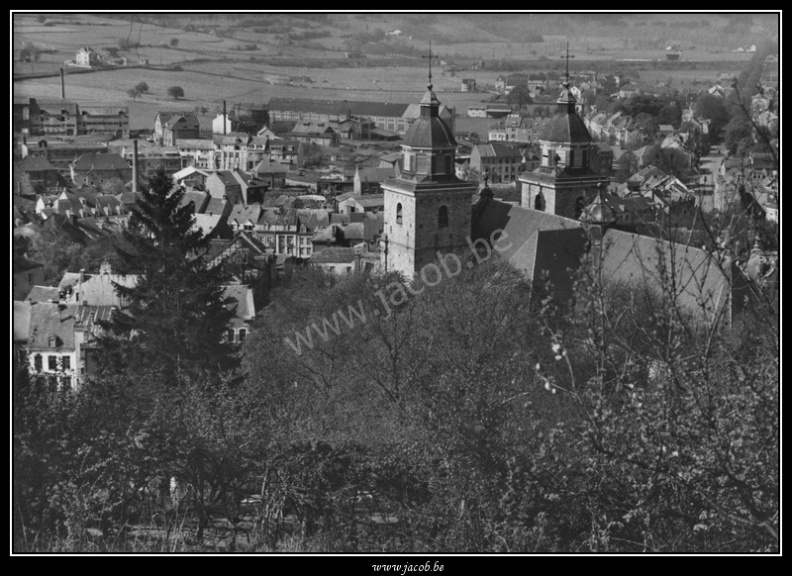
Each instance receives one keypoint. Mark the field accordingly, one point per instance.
(215, 68)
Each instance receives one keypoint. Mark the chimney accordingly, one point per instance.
(63, 84)
(134, 165)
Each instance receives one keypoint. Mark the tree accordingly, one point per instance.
(176, 318)
(174, 42)
(176, 92)
(711, 107)
(142, 87)
(133, 93)
(520, 96)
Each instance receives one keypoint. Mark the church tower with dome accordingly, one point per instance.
(564, 183)
(427, 207)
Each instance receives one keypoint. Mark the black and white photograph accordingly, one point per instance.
(397, 289)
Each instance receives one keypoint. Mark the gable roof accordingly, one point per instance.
(36, 164)
(48, 320)
(376, 175)
(107, 161)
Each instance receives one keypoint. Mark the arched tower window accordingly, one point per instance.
(539, 202)
(398, 213)
(442, 217)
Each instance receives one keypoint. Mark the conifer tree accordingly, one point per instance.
(175, 316)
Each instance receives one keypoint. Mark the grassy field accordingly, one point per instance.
(214, 69)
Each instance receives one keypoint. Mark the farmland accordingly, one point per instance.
(250, 60)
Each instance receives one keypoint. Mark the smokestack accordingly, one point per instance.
(134, 165)
(225, 119)
(63, 84)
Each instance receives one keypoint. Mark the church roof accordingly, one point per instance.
(566, 127)
(429, 130)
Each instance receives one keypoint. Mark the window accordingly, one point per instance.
(442, 217)
(399, 213)
(66, 362)
(230, 335)
(37, 363)
(539, 203)
(52, 363)
(242, 334)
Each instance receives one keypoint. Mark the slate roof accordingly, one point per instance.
(702, 284)
(429, 131)
(242, 214)
(376, 175)
(566, 127)
(241, 300)
(541, 245)
(334, 255)
(42, 294)
(36, 164)
(107, 161)
(51, 320)
(497, 150)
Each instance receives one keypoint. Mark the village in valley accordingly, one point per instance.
(359, 285)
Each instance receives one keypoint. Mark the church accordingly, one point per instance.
(429, 213)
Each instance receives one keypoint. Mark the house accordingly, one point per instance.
(289, 231)
(40, 172)
(351, 230)
(197, 198)
(191, 177)
(50, 345)
(287, 152)
(169, 127)
(271, 173)
(502, 163)
(361, 203)
(240, 299)
(87, 57)
(368, 180)
(108, 118)
(238, 151)
(244, 218)
(197, 152)
(319, 133)
(467, 84)
(222, 184)
(336, 260)
(26, 274)
(93, 169)
(95, 289)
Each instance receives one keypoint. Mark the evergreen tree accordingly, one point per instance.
(175, 316)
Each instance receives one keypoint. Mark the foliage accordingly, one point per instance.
(519, 96)
(176, 318)
(175, 92)
(711, 107)
(127, 44)
(174, 42)
(142, 87)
